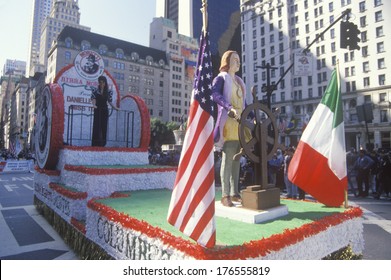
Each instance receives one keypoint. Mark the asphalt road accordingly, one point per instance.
(24, 234)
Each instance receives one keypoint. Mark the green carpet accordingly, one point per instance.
(152, 206)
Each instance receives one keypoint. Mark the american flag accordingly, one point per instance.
(192, 206)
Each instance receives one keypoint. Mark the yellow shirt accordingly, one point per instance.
(231, 127)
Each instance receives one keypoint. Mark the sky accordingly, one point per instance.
(127, 20)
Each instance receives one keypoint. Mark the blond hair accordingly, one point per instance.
(225, 59)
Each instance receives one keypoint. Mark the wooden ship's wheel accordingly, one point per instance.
(258, 136)
(258, 132)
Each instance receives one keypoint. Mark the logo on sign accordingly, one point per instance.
(89, 65)
(43, 127)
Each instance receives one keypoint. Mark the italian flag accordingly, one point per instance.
(318, 165)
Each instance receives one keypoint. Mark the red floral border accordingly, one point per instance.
(57, 127)
(145, 120)
(247, 250)
(48, 172)
(76, 195)
(79, 225)
(116, 171)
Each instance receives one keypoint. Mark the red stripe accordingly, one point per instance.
(200, 194)
(188, 150)
(309, 170)
(203, 222)
(212, 240)
(195, 169)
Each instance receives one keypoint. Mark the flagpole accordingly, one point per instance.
(346, 205)
(204, 16)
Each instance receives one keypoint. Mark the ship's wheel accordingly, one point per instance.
(258, 132)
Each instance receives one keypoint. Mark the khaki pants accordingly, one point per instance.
(229, 172)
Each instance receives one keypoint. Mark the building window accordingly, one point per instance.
(85, 45)
(347, 85)
(365, 67)
(382, 80)
(331, 7)
(119, 53)
(378, 3)
(366, 82)
(364, 51)
(378, 16)
(379, 31)
(362, 6)
(68, 56)
(134, 56)
(383, 116)
(332, 33)
(363, 21)
(380, 63)
(363, 36)
(380, 47)
(68, 43)
(310, 94)
(102, 49)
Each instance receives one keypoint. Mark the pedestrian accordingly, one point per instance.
(363, 165)
(100, 97)
(229, 93)
(351, 158)
(273, 165)
(384, 176)
(291, 188)
(280, 172)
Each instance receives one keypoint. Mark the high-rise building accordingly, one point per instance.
(181, 53)
(41, 9)
(63, 13)
(223, 22)
(275, 33)
(15, 67)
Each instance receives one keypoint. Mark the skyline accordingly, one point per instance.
(127, 20)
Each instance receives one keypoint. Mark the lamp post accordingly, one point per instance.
(268, 88)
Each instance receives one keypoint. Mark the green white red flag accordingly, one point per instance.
(319, 164)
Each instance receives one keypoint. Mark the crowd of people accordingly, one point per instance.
(369, 173)
(7, 154)
(276, 173)
(159, 157)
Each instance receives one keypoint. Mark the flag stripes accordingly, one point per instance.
(192, 204)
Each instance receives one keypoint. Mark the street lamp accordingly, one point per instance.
(267, 88)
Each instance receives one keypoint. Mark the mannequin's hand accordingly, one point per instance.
(233, 114)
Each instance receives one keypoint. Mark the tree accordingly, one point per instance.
(162, 133)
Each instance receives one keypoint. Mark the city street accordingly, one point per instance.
(25, 235)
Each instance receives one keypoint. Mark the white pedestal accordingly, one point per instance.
(239, 213)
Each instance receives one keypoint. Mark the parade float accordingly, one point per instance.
(110, 203)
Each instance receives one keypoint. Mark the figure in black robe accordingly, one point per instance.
(100, 97)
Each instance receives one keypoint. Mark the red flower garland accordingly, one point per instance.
(78, 225)
(48, 172)
(75, 195)
(252, 249)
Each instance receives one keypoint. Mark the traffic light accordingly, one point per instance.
(349, 35)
